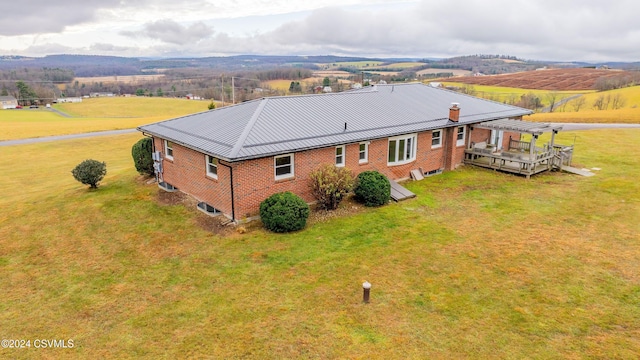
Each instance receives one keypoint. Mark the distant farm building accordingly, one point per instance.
(8, 102)
(75, 99)
(101, 94)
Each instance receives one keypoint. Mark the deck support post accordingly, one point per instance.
(532, 145)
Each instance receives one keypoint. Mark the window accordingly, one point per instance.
(436, 138)
(364, 153)
(340, 155)
(168, 149)
(208, 209)
(460, 141)
(402, 149)
(212, 167)
(283, 165)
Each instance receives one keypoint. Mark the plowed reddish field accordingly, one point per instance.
(552, 79)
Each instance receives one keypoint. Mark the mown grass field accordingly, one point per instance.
(629, 113)
(511, 94)
(629, 95)
(94, 115)
(133, 107)
(479, 265)
(624, 116)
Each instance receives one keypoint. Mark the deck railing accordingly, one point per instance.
(519, 145)
(564, 152)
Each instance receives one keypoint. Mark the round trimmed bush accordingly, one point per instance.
(142, 156)
(372, 188)
(90, 172)
(284, 212)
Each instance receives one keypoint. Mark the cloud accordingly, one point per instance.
(44, 16)
(102, 48)
(541, 29)
(169, 31)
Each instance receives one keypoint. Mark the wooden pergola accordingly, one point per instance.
(520, 157)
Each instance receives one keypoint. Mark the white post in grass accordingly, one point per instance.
(366, 287)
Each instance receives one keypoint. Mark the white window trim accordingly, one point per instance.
(285, 176)
(460, 142)
(366, 152)
(414, 145)
(166, 150)
(343, 155)
(206, 164)
(439, 139)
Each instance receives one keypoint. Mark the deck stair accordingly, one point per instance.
(571, 169)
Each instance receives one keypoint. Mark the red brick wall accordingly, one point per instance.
(254, 180)
(187, 172)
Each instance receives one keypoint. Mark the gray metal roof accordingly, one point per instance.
(519, 126)
(279, 125)
(7, 98)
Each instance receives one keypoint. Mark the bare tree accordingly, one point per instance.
(563, 107)
(607, 100)
(468, 89)
(552, 98)
(618, 101)
(598, 103)
(578, 103)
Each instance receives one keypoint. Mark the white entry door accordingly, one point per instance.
(496, 138)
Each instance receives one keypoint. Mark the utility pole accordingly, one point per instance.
(233, 91)
(222, 76)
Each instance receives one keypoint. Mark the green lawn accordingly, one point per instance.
(479, 265)
(94, 115)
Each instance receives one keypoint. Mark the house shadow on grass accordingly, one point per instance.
(215, 224)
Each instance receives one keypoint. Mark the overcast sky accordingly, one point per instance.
(564, 30)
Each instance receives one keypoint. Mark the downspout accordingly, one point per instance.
(445, 136)
(153, 150)
(233, 207)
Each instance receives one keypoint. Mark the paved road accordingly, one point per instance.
(65, 137)
(560, 103)
(63, 114)
(565, 126)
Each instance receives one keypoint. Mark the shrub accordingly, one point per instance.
(284, 212)
(142, 156)
(330, 184)
(90, 172)
(372, 188)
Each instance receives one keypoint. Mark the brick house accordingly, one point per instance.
(8, 102)
(234, 157)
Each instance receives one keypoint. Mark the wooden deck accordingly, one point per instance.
(513, 163)
(520, 158)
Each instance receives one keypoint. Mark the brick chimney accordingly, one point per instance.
(454, 112)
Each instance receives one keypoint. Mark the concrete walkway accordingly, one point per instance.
(66, 137)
